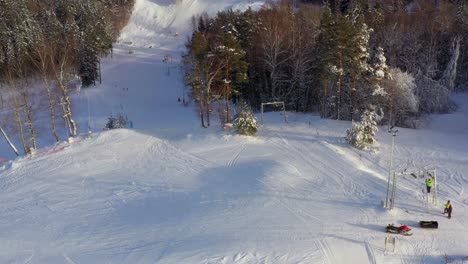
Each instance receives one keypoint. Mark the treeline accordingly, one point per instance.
(51, 43)
(340, 59)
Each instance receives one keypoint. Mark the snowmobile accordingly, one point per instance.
(401, 230)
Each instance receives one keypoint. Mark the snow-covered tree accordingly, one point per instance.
(203, 69)
(216, 64)
(343, 45)
(433, 97)
(118, 121)
(381, 72)
(232, 57)
(245, 122)
(450, 73)
(362, 134)
(400, 100)
(360, 69)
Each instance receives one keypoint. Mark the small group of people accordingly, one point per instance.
(448, 205)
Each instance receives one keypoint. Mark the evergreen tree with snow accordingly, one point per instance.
(118, 121)
(245, 122)
(381, 72)
(362, 134)
(95, 40)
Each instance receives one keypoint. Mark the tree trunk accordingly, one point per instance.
(9, 142)
(450, 73)
(200, 109)
(42, 63)
(207, 108)
(100, 76)
(67, 112)
(73, 126)
(30, 122)
(19, 122)
(338, 103)
(228, 112)
(52, 111)
(351, 97)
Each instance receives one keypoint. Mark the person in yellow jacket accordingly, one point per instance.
(429, 183)
(448, 209)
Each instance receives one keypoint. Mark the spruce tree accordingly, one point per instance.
(245, 122)
(362, 134)
(380, 72)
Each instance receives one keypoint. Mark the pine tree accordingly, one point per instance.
(358, 65)
(119, 121)
(245, 122)
(340, 47)
(234, 73)
(95, 40)
(205, 69)
(362, 134)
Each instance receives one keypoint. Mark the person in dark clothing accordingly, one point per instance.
(449, 211)
(446, 206)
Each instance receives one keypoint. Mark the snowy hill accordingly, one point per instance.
(169, 191)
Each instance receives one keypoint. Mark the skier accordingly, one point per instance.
(429, 185)
(448, 209)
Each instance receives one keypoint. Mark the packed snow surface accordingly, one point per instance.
(168, 191)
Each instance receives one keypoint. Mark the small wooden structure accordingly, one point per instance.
(390, 240)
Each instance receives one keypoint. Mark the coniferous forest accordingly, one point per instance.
(398, 59)
(46, 46)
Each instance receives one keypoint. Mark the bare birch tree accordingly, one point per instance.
(42, 61)
(17, 106)
(62, 66)
(273, 38)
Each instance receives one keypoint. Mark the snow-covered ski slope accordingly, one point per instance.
(169, 191)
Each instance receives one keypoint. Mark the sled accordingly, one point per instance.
(398, 230)
(429, 224)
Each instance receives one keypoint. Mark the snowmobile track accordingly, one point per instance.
(234, 159)
(370, 253)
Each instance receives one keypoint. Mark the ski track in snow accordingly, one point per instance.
(326, 252)
(370, 253)
(234, 159)
(29, 259)
(68, 259)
